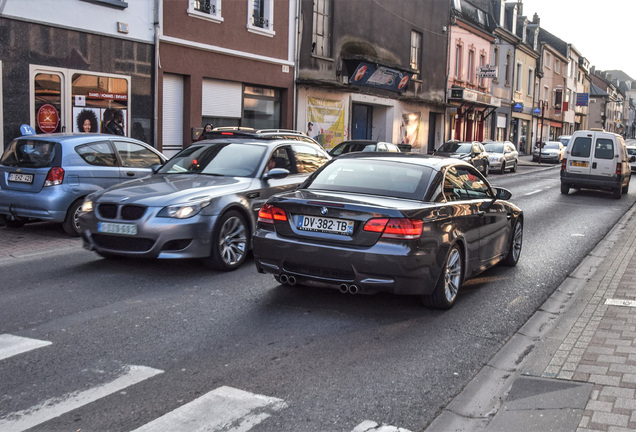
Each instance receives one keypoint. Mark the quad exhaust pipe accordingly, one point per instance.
(349, 289)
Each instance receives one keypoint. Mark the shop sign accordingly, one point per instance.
(48, 118)
(367, 74)
(111, 96)
(518, 107)
(487, 71)
(582, 99)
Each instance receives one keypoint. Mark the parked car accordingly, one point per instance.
(596, 159)
(401, 223)
(502, 156)
(363, 145)
(46, 177)
(551, 151)
(472, 152)
(631, 152)
(202, 203)
(565, 139)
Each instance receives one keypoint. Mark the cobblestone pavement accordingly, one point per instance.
(35, 238)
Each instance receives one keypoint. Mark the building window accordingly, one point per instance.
(482, 63)
(508, 69)
(496, 64)
(548, 60)
(206, 9)
(471, 61)
(557, 66)
(416, 52)
(459, 52)
(261, 107)
(519, 77)
(261, 16)
(321, 38)
(530, 81)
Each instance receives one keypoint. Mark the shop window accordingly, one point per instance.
(321, 36)
(97, 100)
(261, 108)
(48, 103)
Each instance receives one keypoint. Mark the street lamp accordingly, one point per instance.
(543, 105)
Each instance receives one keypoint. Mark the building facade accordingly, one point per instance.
(55, 67)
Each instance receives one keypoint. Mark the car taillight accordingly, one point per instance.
(619, 169)
(54, 177)
(396, 228)
(564, 164)
(269, 213)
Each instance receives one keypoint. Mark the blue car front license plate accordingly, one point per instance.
(117, 228)
(327, 225)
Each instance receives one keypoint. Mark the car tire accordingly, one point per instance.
(565, 189)
(12, 223)
(618, 192)
(485, 170)
(447, 287)
(71, 222)
(503, 168)
(514, 250)
(229, 242)
(626, 189)
(514, 167)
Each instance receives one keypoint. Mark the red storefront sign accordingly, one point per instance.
(48, 118)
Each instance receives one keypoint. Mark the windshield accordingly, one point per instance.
(222, 159)
(456, 147)
(375, 177)
(29, 153)
(553, 146)
(494, 147)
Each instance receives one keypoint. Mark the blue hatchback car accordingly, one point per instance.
(46, 177)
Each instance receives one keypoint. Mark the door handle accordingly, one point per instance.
(594, 165)
(130, 174)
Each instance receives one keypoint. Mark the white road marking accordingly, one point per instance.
(55, 407)
(13, 345)
(224, 409)
(533, 192)
(371, 426)
(618, 302)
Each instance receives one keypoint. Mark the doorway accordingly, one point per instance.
(361, 121)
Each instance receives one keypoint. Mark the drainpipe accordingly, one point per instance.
(157, 25)
(296, 64)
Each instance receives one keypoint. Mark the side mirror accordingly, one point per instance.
(155, 167)
(276, 173)
(502, 194)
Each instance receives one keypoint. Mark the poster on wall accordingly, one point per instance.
(86, 119)
(113, 121)
(410, 128)
(325, 121)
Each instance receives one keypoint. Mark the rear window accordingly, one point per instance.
(29, 154)
(581, 147)
(604, 149)
(374, 177)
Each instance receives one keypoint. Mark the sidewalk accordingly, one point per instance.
(572, 366)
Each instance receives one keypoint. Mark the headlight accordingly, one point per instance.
(87, 206)
(183, 211)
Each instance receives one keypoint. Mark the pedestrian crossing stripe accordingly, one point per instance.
(13, 345)
(224, 408)
(52, 408)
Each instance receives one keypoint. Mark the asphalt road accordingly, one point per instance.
(326, 361)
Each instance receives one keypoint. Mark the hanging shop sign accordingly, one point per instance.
(518, 107)
(48, 118)
(582, 99)
(487, 71)
(370, 75)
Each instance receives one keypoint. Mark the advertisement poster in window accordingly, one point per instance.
(325, 121)
(409, 129)
(86, 119)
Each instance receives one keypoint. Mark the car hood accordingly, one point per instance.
(167, 189)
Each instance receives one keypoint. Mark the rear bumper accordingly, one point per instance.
(384, 267)
(49, 204)
(578, 181)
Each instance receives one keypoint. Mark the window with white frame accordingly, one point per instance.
(482, 63)
(548, 60)
(321, 36)
(416, 52)
(557, 66)
(261, 15)
(470, 76)
(206, 9)
(530, 81)
(546, 93)
(519, 77)
(496, 79)
(508, 66)
(459, 52)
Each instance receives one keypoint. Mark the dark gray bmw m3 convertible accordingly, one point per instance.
(401, 223)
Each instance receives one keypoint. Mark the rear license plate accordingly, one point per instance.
(579, 164)
(327, 225)
(117, 228)
(21, 178)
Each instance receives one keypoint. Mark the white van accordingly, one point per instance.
(596, 159)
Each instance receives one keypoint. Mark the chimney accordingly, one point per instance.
(536, 20)
(520, 7)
